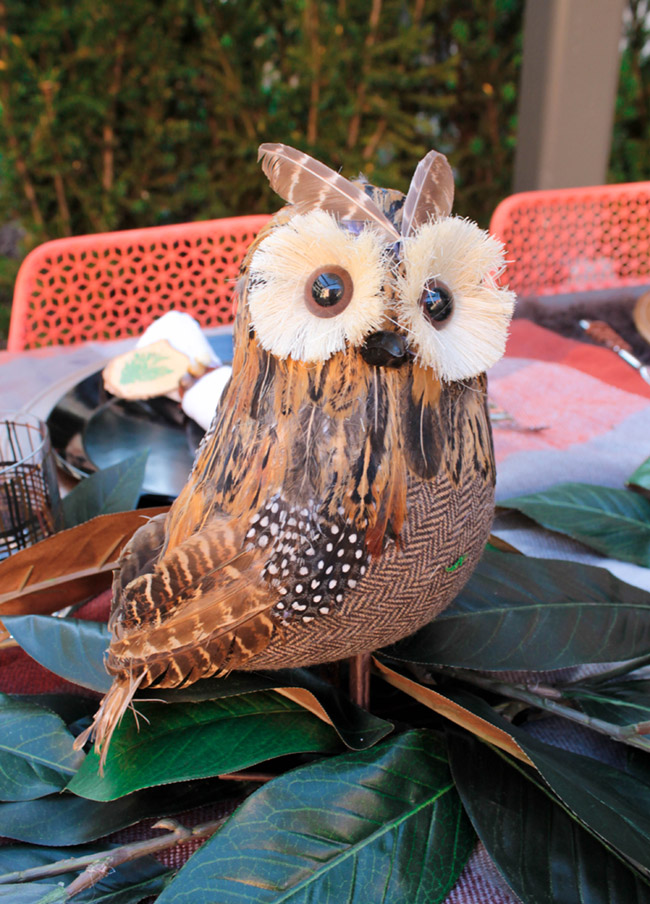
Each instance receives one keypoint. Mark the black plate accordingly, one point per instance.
(91, 430)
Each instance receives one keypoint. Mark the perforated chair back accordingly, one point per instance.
(114, 284)
(575, 239)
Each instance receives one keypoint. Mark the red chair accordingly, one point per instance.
(575, 239)
(114, 284)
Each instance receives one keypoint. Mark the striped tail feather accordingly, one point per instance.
(109, 715)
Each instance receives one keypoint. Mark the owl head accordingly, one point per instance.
(349, 268)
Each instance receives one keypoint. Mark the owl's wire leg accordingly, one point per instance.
(360, 679)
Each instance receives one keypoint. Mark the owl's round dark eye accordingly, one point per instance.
(437, 302)
(328, 291)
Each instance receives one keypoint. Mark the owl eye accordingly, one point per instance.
(328, 291)
(437, 302)
(314, 289)
(458, 327)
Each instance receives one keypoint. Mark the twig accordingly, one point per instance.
(100, 864)
(375, 138)
(108, 130)
(248, 776)
(360, 679)
(541, 697)
(354, 127)
(311, 29)
(5, 94)
(624, 668)
(48, 89)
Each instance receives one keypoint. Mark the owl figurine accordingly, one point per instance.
(344, 491)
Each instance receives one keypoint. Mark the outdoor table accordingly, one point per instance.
(595, 411)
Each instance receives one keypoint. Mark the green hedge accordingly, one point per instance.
(116, 114)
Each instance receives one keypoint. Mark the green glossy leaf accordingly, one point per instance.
(382, 825)
(518, 612)
(637, 763)
(545, 856)
(613, 522)
(612, 803)
(640, 480)
(33, 894)
(125, 884)
(74, 649)
(70, 647)
(177, 741)
(36, 755)
(65, 819)
(620, 702)
(69, 707)
(114, 489)
(356, 727)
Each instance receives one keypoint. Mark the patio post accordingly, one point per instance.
(567, 95)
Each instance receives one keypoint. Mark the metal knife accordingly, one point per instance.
(603, 334)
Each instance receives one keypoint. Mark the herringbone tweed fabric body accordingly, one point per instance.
(440, 544)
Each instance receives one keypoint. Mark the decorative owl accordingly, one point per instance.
(344, 491)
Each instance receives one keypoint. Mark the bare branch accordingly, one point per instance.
(545, 698)
(5, 96)
(373, 25)
(98, 865)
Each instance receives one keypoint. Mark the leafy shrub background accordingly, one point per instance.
(115, 114)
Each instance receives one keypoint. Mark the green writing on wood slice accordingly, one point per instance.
(143, 366)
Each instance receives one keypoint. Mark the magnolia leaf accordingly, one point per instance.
(614, 805)
(613, 522)
(640, 480)
(69, 707)
(36, 755)
(40, 893)
(72, 648)
(637, 763)
(126, 883)
(177, 742)
(518, 612)
(382, 825)
(356, 727)
(456, 713)
(67, 567)
(611, 803)
(620, 702)
(545, 856)
(65, 819)
(114, 489)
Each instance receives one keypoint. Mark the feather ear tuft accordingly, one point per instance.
(431, 193)
(308, 184)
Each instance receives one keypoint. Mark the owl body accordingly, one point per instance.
(344, 491)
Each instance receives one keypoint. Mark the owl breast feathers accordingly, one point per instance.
(344, 490)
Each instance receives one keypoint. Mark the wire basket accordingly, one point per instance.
(30, 505)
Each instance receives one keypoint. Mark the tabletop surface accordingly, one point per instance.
(595, 414)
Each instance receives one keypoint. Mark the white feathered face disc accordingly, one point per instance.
(448, 301)
(286, 278)
(318, 286)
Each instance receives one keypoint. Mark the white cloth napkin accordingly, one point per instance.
(183, 333)
(200, 400)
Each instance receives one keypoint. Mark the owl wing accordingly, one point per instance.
(203, 608)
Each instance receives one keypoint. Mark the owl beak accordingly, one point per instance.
(385, 349)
